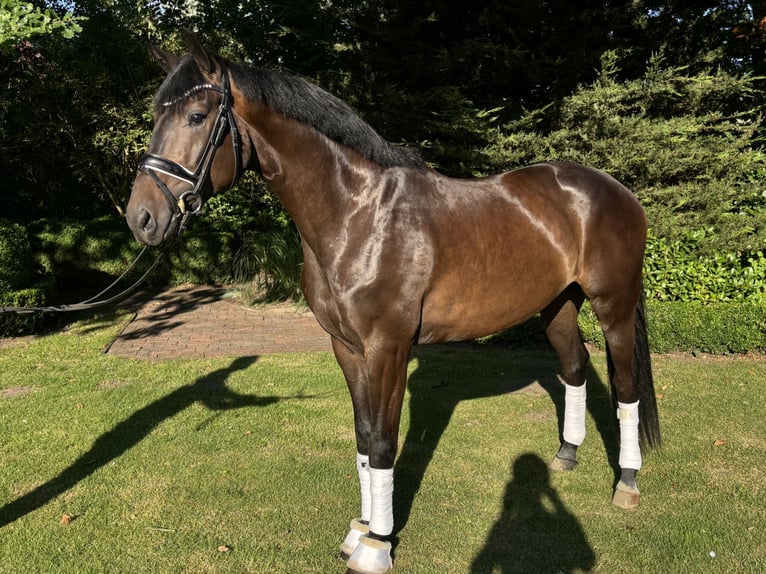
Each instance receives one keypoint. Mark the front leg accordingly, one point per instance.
(376, 381)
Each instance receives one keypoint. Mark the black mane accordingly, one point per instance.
(307, 103)
(300, 100)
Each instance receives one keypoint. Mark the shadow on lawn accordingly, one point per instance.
(535, 532)
(447, 375)
(209, 390)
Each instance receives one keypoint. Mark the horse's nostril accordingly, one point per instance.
(146, 221)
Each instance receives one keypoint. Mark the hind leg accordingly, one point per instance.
(617, 321)
(564, 335)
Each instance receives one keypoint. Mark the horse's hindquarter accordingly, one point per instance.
(504, 248)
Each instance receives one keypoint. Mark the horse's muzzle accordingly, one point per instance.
(150, 217)
(145, 228)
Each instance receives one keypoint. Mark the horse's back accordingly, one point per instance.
(591, 188)
(510, 244)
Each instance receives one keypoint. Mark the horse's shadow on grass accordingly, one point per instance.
(449, 374)
(209, 390)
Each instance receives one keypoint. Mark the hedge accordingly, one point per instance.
(91, 254)
(200, 258)
(17, 267)
(75, 259)
(677, 271)
(11, 324)
(720, 328)
(21, 284)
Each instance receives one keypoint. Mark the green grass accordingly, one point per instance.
(160, 463)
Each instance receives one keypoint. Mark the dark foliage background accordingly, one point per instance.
(668, 96)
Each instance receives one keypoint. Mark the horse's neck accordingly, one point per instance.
(317, 180)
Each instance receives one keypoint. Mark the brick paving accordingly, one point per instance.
(206, 321)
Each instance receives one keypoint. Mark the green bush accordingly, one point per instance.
(12, 324)
(84, 253)
(734, 327)
(17, 267)
(20, 283)
(274, 260)
(90, 254)
(719, 328)
(713, 328)
(675, 270)
(200, 257)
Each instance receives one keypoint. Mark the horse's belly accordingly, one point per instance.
(473, 313)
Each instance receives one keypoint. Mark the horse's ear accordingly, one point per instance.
(166, 60)
(200, 55)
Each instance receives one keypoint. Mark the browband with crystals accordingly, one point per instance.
(192, 91)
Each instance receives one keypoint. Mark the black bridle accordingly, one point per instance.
(190, 202)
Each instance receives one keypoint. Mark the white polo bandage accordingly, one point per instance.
(382, 507)
(574, 414)
(363, 470)
(630, 452)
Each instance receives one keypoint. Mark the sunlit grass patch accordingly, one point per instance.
(161, 464)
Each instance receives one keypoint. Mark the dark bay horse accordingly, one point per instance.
(397, 254)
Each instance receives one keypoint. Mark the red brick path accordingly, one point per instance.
(198, 322)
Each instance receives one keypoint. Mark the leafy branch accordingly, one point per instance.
(20, 20)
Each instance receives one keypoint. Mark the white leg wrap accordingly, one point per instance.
(630, 452)
(363, 470)
(382, 506)
(574, 414)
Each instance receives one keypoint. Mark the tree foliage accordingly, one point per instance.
(21, 20)
(666, 95)
(686, 144)
(61, 101)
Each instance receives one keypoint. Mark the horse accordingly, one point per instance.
(397, 254)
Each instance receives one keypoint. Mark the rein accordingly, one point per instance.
(93, 303)
(184, 206)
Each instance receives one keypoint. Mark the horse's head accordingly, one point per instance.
(184, 166)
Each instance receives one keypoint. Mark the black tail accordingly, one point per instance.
(649, 421)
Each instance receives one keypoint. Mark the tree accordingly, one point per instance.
(700, 33)
(60, 108)
(684, 143)
(21, 20)
(455, 78)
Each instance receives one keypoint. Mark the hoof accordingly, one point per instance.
(558, 464)
(626, 496)
(355, 532)
(371, 556)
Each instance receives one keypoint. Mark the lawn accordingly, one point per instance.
(246, 464)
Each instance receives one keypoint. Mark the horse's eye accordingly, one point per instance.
(196, 118)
